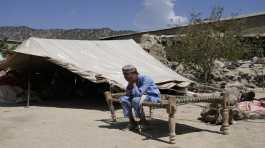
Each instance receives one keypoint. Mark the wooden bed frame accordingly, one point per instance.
(169, 102)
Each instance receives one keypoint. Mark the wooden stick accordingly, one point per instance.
(225, 124)
(171, 110)
(109, 99)
(29, 85)
(151, 112)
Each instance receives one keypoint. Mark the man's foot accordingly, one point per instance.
(144, 122)
(132, 123)
(132, 126)
(143, 125)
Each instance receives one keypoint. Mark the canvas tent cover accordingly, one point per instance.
(94, 60)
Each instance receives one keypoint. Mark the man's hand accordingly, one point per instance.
(131, 84)
(129, 88)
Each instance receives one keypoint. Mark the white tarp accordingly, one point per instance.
(93, 59)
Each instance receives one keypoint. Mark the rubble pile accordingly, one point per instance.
(249, 74)
(247, 77)
(243, 77)
(153, 45)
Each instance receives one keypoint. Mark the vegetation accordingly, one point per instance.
(3, 44)
(205, 41)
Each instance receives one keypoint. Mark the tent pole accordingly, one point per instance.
(29, 77)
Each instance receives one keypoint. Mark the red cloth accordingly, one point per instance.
(253, 106)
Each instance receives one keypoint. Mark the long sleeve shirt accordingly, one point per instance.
(144, 86)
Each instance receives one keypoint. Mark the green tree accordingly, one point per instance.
(207, 40)
(3, 44)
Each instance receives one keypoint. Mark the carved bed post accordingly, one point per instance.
(225, 124)
(171, 110)
(108, 98)
(151, 112)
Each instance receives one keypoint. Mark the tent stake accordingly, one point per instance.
(29, 77)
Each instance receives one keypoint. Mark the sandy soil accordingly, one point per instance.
(56, 127)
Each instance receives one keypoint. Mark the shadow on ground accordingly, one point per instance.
(157, 129)
(77, 103)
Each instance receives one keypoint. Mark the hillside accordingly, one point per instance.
(22, 32)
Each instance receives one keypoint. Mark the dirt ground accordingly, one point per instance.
(55, 126)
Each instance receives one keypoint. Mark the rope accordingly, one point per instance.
(215, 88)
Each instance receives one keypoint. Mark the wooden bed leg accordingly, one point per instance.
(225, 124)
(150, 112)
(108, 98)
(231, 120)
(171, 110)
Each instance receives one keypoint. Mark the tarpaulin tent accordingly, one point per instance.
(96, 60)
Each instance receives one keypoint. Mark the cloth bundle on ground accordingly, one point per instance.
(14, 94)
(252, 109)
(245, 106)
(9, 94)
(11, 90)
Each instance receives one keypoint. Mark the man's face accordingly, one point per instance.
(131, 77)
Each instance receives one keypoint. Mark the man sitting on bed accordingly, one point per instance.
(140, 88)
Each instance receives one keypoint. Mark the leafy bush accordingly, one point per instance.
(205, 41)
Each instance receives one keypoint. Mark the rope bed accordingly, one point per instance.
(170, 102)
